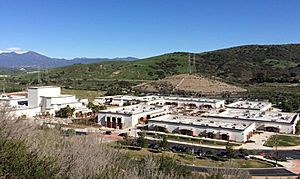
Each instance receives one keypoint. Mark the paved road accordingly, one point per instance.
(253, 172)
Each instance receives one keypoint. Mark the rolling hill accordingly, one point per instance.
(242, 64)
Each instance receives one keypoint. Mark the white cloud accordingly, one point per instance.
(13, 49)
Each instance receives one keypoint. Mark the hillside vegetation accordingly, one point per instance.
(244, 63)
(251, 63)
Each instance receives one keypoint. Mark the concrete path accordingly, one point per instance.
(259, 139)
(291, 165)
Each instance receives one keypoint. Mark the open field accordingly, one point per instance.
(283, 140)
(189, 159)
(83, 94)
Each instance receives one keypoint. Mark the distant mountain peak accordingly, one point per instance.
(32, 59)
(12, 52)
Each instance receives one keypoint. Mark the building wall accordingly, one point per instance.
(284, 127)
(234, 135)
(63, 99)
(28, 112)
(248, 132)
(130, 120)
(34, 94)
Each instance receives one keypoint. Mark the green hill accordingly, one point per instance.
(271, 63)
(242, 65)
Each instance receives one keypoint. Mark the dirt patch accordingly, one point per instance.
(186, 82)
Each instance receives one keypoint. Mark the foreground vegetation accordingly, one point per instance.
(28, 152)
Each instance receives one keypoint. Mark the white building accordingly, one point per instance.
(44, 101)
(264, 120)
(214, 128)
(18, 105)
(13, 100)
(253, 105)
(50, 99)
(128, 116)
(120, 100)
(35, 94)
(183, 101)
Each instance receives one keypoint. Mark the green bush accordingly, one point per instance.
(17, 162)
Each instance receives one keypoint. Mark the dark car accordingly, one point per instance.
(124, 134)
(108, 132)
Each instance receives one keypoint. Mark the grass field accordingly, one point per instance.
(283, 140)
(189, 159)
(83, 94)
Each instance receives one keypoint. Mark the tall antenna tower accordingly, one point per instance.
(190, 68)
(46, 75)
(39, 76)
(3, 89)
(194, 63)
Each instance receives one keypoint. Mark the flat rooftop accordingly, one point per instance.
(153, 98)
(206, 100)
(256, 115)
(41, 87)
(60, 96)
(202, 121)
(9, 98)
(257, 105)
(131, 110)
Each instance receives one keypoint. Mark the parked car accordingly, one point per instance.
(247, 157)
(108, 132)
(289, 158)
(124, 134)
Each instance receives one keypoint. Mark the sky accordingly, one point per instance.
(143, 28)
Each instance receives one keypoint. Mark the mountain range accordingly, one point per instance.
(32, 59)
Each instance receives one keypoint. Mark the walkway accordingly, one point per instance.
(259, 140)
(291, 165)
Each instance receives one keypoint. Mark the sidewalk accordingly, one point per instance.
(291, 165)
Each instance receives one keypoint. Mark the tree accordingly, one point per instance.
(243, 151)
(164, 143)
(66, 112)
(209, 153)
(298, 127)
(229, 151)
(95, 108)
(168, 165)
(286, 106)
(18, 162)
(126, 140)
(142, 142)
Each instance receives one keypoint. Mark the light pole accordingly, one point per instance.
(276, 151)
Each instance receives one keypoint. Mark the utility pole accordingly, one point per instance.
(276, 151)
(189, 67)
(39, 75)
(194, 63)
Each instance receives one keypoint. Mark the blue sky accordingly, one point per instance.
(142, 28)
